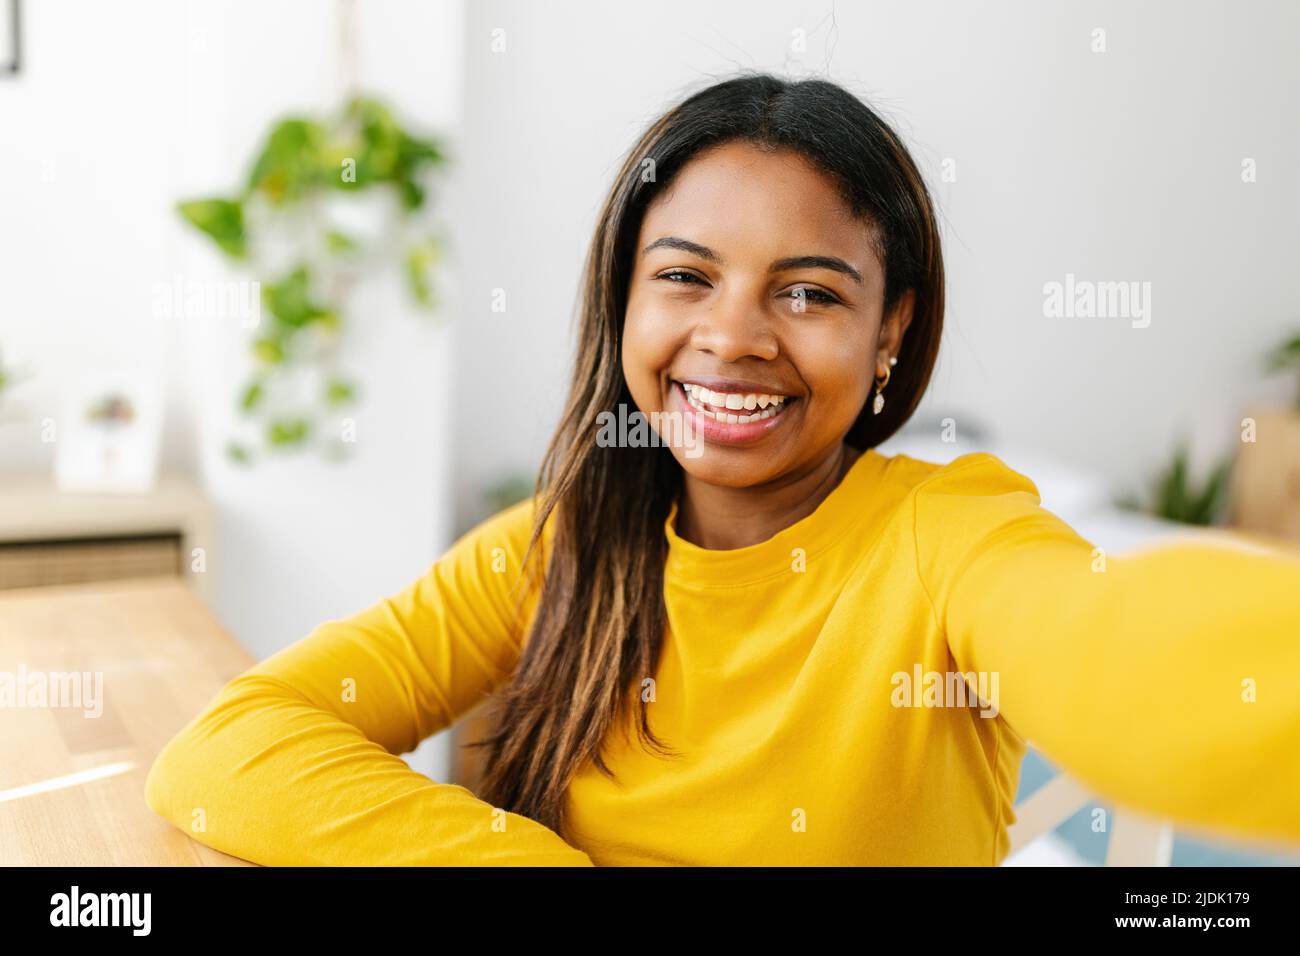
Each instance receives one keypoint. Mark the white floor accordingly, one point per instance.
(1049, 850)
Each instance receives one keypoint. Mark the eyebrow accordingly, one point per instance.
(833, 263)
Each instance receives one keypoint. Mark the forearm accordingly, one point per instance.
(277, 781)
(1170, 681)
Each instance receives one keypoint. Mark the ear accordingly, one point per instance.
(892, 328)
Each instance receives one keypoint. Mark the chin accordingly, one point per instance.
(728, 467)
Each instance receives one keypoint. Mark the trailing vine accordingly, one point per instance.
(282, 226)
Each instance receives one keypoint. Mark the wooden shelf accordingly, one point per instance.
(48, 536)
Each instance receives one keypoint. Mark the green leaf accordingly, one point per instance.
(1171, 493)
(238, 453)
(292, 161)
(289, 299)
(339, 392)
(337, 241)
(1210, 504)
(220, 219)
(418, 152)
(377, 143)
(284, 432)
(268, 351)
(252, 395)
(1178, 500)
(420, 260)
(1286, 355)
(383, 151)
(412, 194)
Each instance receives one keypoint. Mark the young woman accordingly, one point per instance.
(756, 648)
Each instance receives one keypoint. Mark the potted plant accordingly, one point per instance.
(1176, 495)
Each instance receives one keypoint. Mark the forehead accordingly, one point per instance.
(741, 201)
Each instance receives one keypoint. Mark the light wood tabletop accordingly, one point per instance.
(71, 779)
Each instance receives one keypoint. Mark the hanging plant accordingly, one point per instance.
(295, 225)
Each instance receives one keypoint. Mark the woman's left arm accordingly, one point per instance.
(1167, 680)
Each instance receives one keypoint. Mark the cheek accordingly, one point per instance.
(838, 370)
(651, 340)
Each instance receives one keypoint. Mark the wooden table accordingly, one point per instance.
(71, 784)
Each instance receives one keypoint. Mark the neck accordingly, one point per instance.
(722, 518)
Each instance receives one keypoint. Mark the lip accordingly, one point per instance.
(740, 385)
(724, 432)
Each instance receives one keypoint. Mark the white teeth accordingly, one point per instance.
(712, 403)
(734, 401)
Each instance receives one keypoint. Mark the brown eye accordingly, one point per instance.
(816, 296)
(678, 275)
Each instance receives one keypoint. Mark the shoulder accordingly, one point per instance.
(955, 505)
(976, 474)
(499, 542)
(973, 502)
(484, 574)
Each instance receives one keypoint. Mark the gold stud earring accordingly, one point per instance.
(879, 401)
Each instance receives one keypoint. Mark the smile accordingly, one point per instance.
(738, 418)
(733, 408)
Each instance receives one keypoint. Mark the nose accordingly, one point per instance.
(736, 326)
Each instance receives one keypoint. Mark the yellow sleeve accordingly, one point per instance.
(1167, 680)
(294, 762)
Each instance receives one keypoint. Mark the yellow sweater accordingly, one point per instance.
(804, 679)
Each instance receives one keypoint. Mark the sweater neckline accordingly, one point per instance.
(689, 564)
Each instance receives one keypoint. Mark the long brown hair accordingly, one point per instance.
(599, 624)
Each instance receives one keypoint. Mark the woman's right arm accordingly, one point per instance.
(295, 760)
(1166, 679)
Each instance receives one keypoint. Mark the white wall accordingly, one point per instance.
(1117, 166)
(121, 110)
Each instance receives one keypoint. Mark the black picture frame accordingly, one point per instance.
(11, 58)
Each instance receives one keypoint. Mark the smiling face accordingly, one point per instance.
(755, 311)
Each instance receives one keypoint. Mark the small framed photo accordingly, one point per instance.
(11, 37)
(109, 436)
